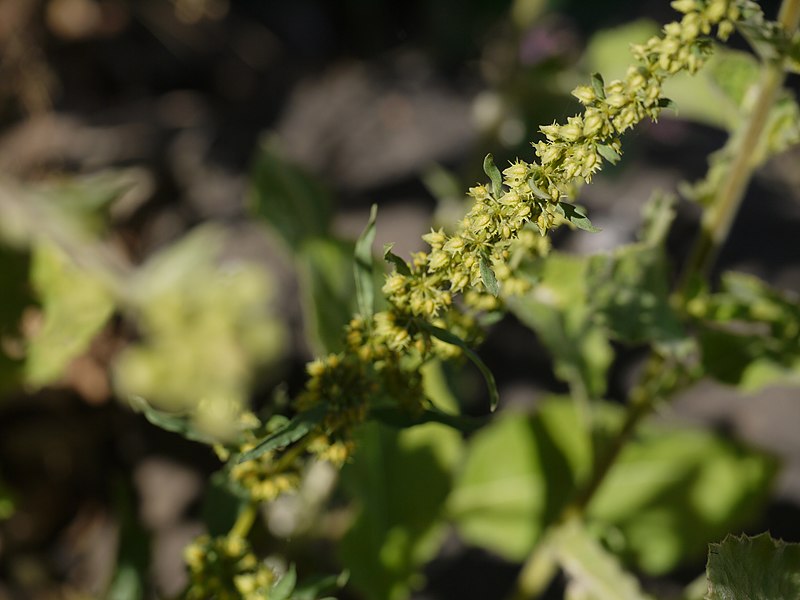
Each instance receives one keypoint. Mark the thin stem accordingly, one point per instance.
(539, 568)
(244, 521)
(719, 216)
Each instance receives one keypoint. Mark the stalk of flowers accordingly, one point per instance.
(383, 352)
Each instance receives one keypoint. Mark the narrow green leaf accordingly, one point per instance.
(294, 430)
(753, 568)
(494, 174)
(391, 257)
(489, 280)
(598, 85)
(364, 265)
(283, 588)
(609, 153)
(668, 103)
(312, 588)
(401, 419)
(180, 424)
(451, 338)
(537, 191)
(577, 217)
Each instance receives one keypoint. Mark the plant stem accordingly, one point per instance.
(719, 216)
(538, 569)
(244, 521)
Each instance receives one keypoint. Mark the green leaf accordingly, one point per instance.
(391, 257)
(401, 419)
(630, 293)
(364, 267)
(328, 291)
(609, 153)
(314, 587)
(401, 480)
(749, 334)
(672, 491)
(598, 85)
(519, 472)
(451, 338)
(558, 310)
(668, 103)
(293, 203)
(76, 304)
(494, 174)
(753, 568)
(590, 568)
(283, 588)
(487, 275)
(180, 424)
(222, 504)
(294, 430)
(577, 217)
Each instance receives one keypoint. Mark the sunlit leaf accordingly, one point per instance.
(753, 568)
(364, 267)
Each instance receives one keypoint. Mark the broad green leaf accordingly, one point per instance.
(451, 338)
(328, 291)
(400, 480)
(749, 333)
(75, 303)
(494, 175)
(364, 264)
(671, 492)
(222, 504)
(298, 427)
(292, 202)
(314, 587)
(630, 294)
(519, 472)
(753, 568)
(402, 419)
(593, 573)
(557, 310)
(598, 85)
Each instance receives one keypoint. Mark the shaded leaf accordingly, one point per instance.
(577, 217)
(364, 267)
(180, 424)
(298, 427)
(598, 85)
(451, 338)
(399, 263)
(401, 480)
(283, 588)
(328, 291)
(292, 202)
(753, 568)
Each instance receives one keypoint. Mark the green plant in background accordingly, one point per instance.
(584, 486)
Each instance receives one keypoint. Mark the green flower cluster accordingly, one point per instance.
(507, 222)
(570, 154)
(225, 568)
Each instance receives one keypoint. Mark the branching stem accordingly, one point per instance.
(539, 568)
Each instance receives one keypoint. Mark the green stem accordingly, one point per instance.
(538, 569)
(719, 216)
(244, 521)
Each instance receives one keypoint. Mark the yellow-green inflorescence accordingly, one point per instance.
(225, 568)
(383, 352)
(446, 287)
